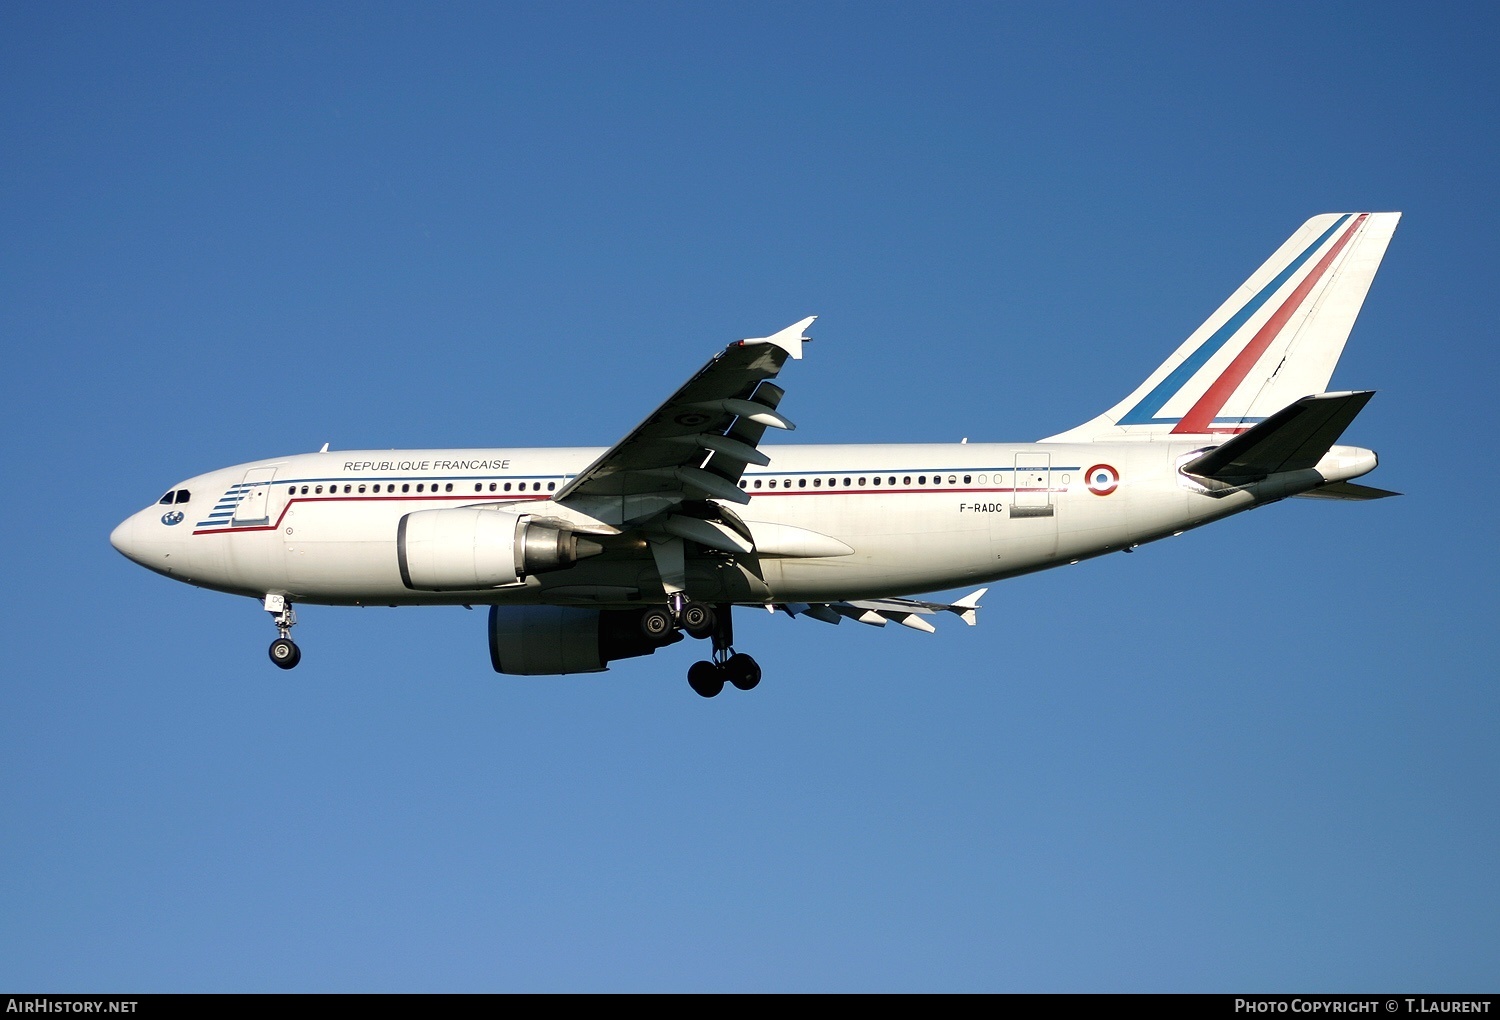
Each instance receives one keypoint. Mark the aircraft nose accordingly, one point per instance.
(126, 540)
(137, 540)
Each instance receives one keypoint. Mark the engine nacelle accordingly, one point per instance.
(550, 640)
(470, 548)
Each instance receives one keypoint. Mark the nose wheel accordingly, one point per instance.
(283, 651)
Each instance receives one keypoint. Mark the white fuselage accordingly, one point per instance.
(322, 528)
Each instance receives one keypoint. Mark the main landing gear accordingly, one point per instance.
(284, 651)
(706, 678)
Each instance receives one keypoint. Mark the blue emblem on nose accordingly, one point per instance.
(169, 519)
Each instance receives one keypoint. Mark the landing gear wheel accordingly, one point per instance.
(656, 623)
(284, 653)
(697, 620)
(742, 671)
(706, 679)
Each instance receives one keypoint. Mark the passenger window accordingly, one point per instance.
(406, 487)
(507, 486)
(551, 486)
(291, 490)
(817, 483)
(757, 483)
(448, 487)
(892, 480)
(967, 479)
(904, 481)
(361, 488)
(772, 483)
(847, 482)
(984, 479)
(861, 480)
(346, 490)
(802, 483)
(492, 486)
(921, 480)
(877, 479)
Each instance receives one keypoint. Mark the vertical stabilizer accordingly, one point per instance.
(1276, 340)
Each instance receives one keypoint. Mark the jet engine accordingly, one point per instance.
(550, 640)
(468, 548)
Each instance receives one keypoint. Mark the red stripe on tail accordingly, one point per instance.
(1201, 415)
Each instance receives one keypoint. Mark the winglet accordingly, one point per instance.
(790, 339)
(967, 607)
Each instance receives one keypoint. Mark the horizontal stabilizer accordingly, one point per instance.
(1347, 490)
(1293, 439)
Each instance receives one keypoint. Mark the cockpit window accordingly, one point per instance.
(183, 495)
(167, 499)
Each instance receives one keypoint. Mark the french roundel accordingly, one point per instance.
(1102, 479)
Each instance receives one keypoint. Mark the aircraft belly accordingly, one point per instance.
(341, 550)
(902, 544)
(255, 558)
(1021, 543)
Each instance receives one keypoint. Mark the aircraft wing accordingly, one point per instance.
(877, 612)
(696, 444)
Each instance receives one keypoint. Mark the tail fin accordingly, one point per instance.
(1276, 340)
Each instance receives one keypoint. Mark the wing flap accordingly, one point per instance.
(879, 612)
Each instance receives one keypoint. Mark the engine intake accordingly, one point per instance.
(471, 548)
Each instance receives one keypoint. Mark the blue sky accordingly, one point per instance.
(1259, 757)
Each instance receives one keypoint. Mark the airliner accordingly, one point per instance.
(587, 556)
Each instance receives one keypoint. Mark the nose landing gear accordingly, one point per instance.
(284, 651)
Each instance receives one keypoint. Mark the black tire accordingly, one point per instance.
(742, 671)
(706, 679)
(697, 620)
(284, 653)
(656, 623)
